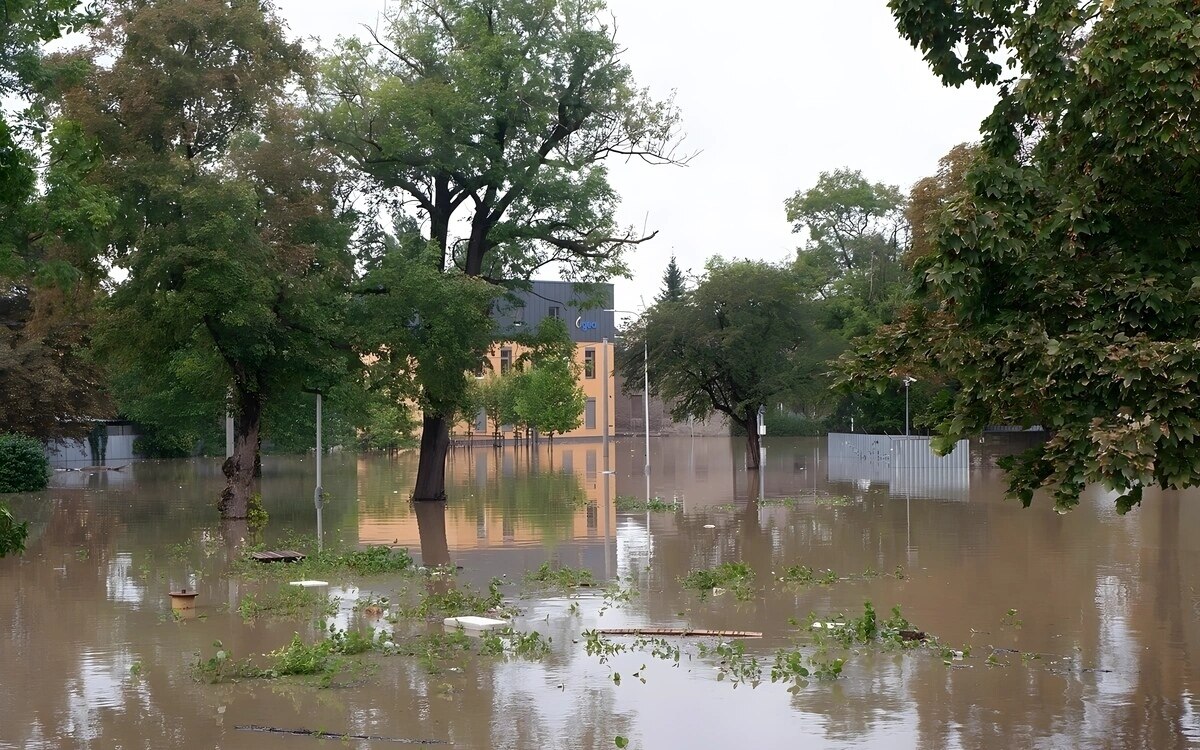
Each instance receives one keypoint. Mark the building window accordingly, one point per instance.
(555, 312)
(481, 421)
(505, 361)
(589, 414)
(589, 363)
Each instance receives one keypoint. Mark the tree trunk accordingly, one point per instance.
(431, 465)
(751, 426)
(258, 458)
(239, 468)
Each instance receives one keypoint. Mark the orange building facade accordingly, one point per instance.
(594, 363)
(586, 312)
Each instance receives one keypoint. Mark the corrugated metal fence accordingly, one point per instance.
(907, 465)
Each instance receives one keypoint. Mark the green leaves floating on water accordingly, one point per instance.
(735, 576)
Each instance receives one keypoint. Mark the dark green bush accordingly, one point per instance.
(786, 424)
(23, 464)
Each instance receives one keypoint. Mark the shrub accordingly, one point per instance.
(12, 533)
(23, 464)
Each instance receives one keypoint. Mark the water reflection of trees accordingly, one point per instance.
(531, 489)
(78, 611)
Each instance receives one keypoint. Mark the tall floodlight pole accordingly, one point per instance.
(318, 500)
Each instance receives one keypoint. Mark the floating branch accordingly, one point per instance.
(682, 632)
(336, 736)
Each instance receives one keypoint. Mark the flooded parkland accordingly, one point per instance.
(1037, 630)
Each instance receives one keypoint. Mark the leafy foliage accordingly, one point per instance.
(744, 337)
(1060, 285)
(371, 560)
(47, 289)
(12, 533)
(549, 398)
(23, 464)
(408, 312)
(738, 576)
(227, 218)
(856, 231)
(287, 601)
(631, 504)
(498, 119)
(561, 576)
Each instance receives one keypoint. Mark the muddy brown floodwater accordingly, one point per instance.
(1082, 629)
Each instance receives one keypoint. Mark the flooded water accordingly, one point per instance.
(1082, 629)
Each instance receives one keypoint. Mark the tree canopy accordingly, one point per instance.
(228, 217)
(674, 284)
(1059, 288)
(744, 337)
(856, 232)
(496, 117)
(47, 289)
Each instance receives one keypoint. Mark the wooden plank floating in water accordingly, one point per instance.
(335, 735)
(286, 555)
(682, 632)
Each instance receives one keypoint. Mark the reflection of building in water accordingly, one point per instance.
(508, 496)
(121, 584)
(907, 465)
(635, 546)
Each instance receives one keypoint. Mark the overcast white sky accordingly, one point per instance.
(773, 93)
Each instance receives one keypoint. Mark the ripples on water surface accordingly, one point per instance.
(90, 656)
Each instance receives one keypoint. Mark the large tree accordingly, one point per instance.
(743, 338)
(1060, 288)
(423, 329)
(856, 233)
(494, 118)
(229, 223)
(47, 289)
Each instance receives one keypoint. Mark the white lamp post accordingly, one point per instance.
(645, 391)
(319, 492)
(908, 380)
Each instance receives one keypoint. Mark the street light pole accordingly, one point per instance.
(604, 397)
(907, 382)
(318, 493)
(646, 400)
(645, 395)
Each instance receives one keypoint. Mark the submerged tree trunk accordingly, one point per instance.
(431, 528)
(751, 426)
(431, 465)
(239, 468)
